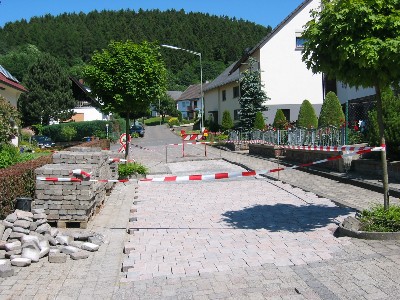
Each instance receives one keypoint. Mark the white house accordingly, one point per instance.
(189, 102)
(10, 89)
(86, 109)
(286, 79)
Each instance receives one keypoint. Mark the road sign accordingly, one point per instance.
(122, 141)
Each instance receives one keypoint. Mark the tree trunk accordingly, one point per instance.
(385, 177)
(127, 136)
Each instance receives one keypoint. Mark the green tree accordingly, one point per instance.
(126, 77)
(9, 120)
(280, 121)
(391, 119)
(252, 95)
(307, 117)
(50, 93)
(227, 122)
(259, 122)
(331, 112)
(357, 42)
(18, 60)
(165, 106)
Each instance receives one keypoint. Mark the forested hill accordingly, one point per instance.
(72, 38)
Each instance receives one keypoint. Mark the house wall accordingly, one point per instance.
(90, 113)
(286, 79)
(345, 93)
(11, 95)
(213, 101)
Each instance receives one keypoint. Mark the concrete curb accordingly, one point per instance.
(381, 236)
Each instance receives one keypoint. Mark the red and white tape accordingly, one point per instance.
(120, 160)
(79, 172)
(216, 176)
(193, 143)
(326, 148)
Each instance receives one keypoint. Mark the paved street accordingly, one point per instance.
(247, 238)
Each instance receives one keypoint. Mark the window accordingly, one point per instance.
(236, 114)
(300, 42)
(236, 92)
(224, 95)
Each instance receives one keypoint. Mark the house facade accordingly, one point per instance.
(10, 89)
(189, 103)
(85, 109)
(223, 94)
(284, 76)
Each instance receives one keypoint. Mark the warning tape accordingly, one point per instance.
(79, 172)
(326, 148)
(193, 143)
(217, 176)
(120, 160)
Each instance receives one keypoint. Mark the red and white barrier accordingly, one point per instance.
(193, 143)
(326, 148)
(120, 160)
(80, 172)
(73, 179)
(192, 137)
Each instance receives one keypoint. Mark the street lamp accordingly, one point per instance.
(201, 81)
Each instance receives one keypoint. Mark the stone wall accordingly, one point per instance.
(374, 167)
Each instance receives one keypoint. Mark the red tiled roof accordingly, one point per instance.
(11, 83)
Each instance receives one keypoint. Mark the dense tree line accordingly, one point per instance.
(72, 38)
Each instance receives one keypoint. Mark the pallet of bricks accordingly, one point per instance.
(72, 204)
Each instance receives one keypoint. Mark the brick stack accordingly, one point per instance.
(72, 202)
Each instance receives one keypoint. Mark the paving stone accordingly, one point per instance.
(3, 245)
(13, 246)
(44, 248)
(31, 252)
(90, 247)
(16, 235)
(38, 210)
(22, 223)
(79, 255)
(5, 262)
(54, 231)
(7, 224)
(44, 228)
(14, 252)
(6, 271)
(6, 234)
(20, 230)
(11, 217)
(2, 228)
(2, 254)
(21, 262)
(69, 249)
(64, 239)
(95, 240)
(39, 216)
(39, 222)
(51, 239)
(57, 257)
(25, 215)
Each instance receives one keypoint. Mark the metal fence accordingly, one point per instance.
(327, 136)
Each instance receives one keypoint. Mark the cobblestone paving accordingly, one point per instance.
(252, 238)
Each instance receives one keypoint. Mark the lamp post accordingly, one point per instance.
(201, 80)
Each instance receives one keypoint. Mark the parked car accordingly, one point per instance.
(43, 141)
(137, 129)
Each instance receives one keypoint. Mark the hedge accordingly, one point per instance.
(85, 129)
(19, 181)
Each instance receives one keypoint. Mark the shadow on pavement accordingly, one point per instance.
(284, 217)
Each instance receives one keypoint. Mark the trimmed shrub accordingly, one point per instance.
(129, 169)
(19, 181)
(280, 121)
(259, 122)
(10, 155)
(173, 122)
(227, 122)
(331, 112)
(307, 117)
(68, 133)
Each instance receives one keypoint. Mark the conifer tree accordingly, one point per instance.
(280, 121)
(50, 93)
(331, 112)
(259, 121)
(227, 122)
(307, 117)
(252, 95)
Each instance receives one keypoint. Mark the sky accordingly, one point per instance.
(263, 12)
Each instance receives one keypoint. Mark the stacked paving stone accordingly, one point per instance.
(70, 202)
(26, 237)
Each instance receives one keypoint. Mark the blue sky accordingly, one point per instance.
(264, 12)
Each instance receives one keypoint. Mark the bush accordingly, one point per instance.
(84, 129)
(19, 181)
(10, 155)
(68, 133)
(380, 220)
(331, 112)
(173, 122)
(8, 113)
(280, 121)
(259, 121)
(307, 117)
(227, 122)
(391, 121)
(126, 170)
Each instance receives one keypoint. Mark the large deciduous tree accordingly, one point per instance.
(50, 93)
(126, 77)
(253, 97)
(165, 106)
(358, 43)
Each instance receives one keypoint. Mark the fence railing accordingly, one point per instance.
(327, 136)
